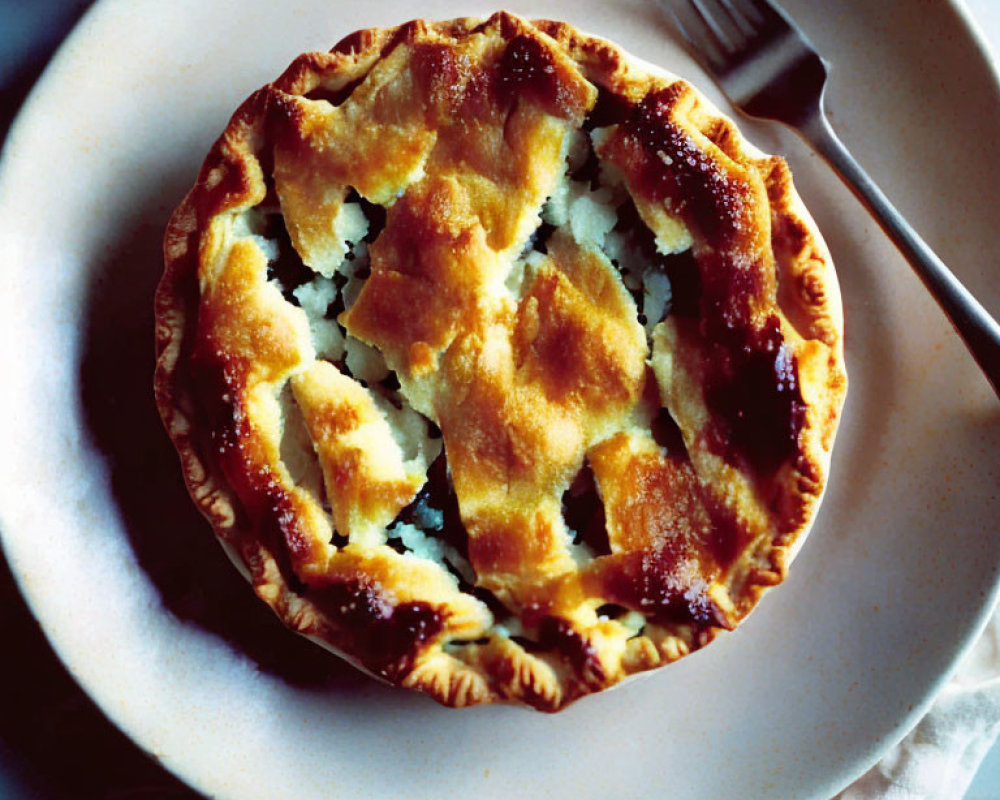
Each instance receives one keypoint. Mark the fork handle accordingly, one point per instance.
(979, 331)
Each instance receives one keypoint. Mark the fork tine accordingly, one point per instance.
(711, 23)
(704, 47)
(759, 13)
(745, 24)
(727, 17)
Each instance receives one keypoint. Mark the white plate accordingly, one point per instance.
(897, 577)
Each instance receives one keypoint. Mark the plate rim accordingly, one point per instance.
(53, 72)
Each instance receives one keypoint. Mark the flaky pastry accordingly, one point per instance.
(500, 363)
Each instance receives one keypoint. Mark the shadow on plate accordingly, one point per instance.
(54, 740)
(171, 540)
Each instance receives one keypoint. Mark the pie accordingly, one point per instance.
(499, 361)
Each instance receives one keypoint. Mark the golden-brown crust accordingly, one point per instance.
(524, 387)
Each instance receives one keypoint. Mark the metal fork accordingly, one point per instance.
(768, 68)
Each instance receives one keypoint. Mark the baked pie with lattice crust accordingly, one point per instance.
(503, 365)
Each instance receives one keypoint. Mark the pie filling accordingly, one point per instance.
(590, 204)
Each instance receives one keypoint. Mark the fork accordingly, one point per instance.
(768, 68)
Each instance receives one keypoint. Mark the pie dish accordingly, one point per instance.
(500, 363)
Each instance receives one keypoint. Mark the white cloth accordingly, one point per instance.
(938, 759)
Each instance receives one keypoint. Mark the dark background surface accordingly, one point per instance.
(55, 744)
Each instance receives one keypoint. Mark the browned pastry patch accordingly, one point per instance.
(503, 365)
